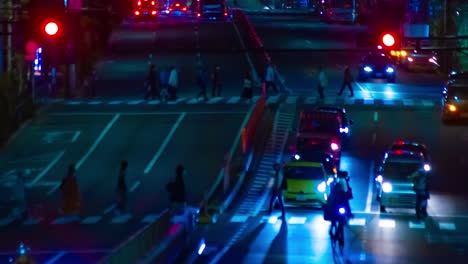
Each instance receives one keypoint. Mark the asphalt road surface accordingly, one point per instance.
(371, 237)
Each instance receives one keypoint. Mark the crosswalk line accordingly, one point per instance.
(388, 102)
(408, 102)
(65, 220)
(135, 102)
(357, 222)
(154, 102)
(291, 99)
(239, 218)
(193, 101)
(121, 219)
(176, 101)
(330, 101)
(447, 226)
(150, 218)
(387, 223)
(214, 100)
(91, 219)
(95, 102)
(73, 102)
(115, 102)
(417, 225)
(234, 100)
(273, 99)
(368, 101)
(427, 103)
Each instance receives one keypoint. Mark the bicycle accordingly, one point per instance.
(337, 230)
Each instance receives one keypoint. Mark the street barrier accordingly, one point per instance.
(145, 239)
(169, 249)
(252, 125)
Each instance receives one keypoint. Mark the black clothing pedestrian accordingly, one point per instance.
(152, 84)
(202, 80)
(347, 79)
(122, 187)
(421, 189)
(176, 188)
(276, 192)
(216, 82)
(247, 90)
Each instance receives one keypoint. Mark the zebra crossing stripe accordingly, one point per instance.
(95, 102)
(150, 218)
(387, 223)
(91, 220)
(368, 101)
(234, 100)
(135, 102)
(239, 218)
(73, 102)
(357, 222)
(65, 220)
(388, 102)
(297, 220)
(115, 102)
(417, 225)
(153, 102)
(121, 219)
(291, 99)
(427, 103)
(193, 101)
(330, 101)
(214, 100)
(447, 226)
(176, 101)
(408, 102)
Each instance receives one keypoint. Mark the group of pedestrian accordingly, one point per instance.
(162, 84)
(323, 82)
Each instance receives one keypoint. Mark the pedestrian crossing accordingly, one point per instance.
(312, 221)
(235, 100)
(81, 220)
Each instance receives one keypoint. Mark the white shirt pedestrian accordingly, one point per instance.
(173, 78)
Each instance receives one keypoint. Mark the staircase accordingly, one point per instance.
(259, 188)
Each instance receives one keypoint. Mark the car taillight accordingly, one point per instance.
(137, 13)
(153, 13)
(225, 14)
(198, 14)
(184, 9)
(170, 9)
(153, 3)
(139, 3)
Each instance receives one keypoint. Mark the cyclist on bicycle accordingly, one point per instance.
(337, 209)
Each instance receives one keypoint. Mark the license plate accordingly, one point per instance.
(379, 74)
(300, 197)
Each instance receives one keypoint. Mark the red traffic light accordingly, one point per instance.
(388, 40)
(51, 28)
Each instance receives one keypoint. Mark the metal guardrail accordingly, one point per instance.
(143, 241)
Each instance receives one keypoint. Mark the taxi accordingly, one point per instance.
(305, 183)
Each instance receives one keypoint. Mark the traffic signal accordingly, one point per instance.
(388, 40)
(52, 28)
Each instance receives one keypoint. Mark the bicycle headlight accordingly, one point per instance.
(387, 187)
(322, 187)
(342, 210)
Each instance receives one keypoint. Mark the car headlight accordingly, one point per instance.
(379, 178)
(389, 70)
(334, 146)
(297, 157)
(410, 59)
(344, 130)
(322, 187)
(387, 187)
(367, 69)
(427, 167)
(451, 108)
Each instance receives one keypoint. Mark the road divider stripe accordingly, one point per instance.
(370, 187)
(98, 140)
(57, 257)
(121, 219)
(164, 144)
(417, 225)
(134, 186)
(75, 137)
(47, 169)
(91, 220)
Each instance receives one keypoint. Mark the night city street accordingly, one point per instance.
(97, 132)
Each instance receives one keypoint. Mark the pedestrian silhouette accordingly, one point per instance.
(322, 82)
(347, 79)
(276, 192)
(70, 193)
(176, 189)
(216, 81)
(122, 188)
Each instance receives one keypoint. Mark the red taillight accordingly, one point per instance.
(198, 15)
(401, 142)
(184, 9)
(398, 152)
(153, 13)
(137, 13)
(139, 3)
(225, 13)
(153, 3)
(170, 9)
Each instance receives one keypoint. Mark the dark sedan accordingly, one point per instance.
(377, 66)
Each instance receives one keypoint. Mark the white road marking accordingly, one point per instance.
(115, 102)
(273, 99)
(75, 137)
(408, 102)
(94, 102)
(214, 100)
(297, 220)
(121, 219)
(98, 140)
(135, 102)
(370, 187)
(150, 218)
(417, 225)
(387, 223)
(376, 116)
(427, 103)
(110, 208)
(447, 226)
(91, 219)
(291, 99)
(55, 258)
(134, 186)
(65, 220)
(164, 144)
(234, 100)
(46, 169)
(308, 42)
(153, 102)
(32, 221)
(357, 222)
(193, 101)
(54, 188)
(368, 101)
(239, 218)
(147, 113)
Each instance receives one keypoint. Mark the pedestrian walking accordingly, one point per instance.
(152, 83)
(216, 81)
(270, 78)
(322, 82)
(70, 192)
(19, 197)
(347, 79)
(122, 188)
(276, 191)
(202, 80)
(247, 89)
(173, 83)
(176, 189)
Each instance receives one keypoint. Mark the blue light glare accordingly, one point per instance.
(389, 70)
(367, 69)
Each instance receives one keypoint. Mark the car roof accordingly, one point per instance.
(401, 156)
(406, 142)
(300, 163)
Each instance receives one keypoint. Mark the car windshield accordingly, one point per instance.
(304, 173)
(399, 171)
(409, 147)
(376, 58)
(321, 123)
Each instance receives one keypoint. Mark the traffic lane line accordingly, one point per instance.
(135, 139)
(199, 144)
